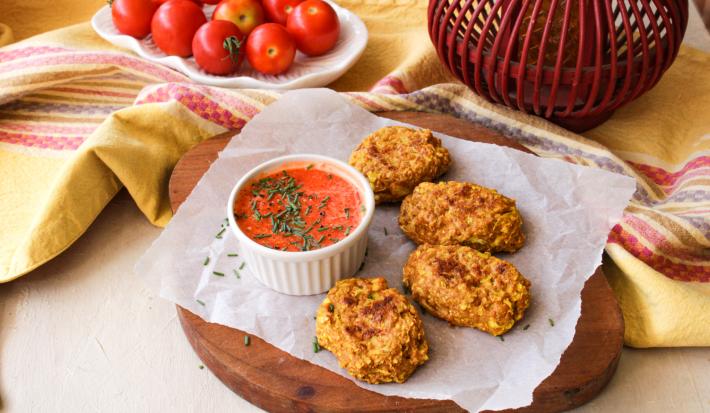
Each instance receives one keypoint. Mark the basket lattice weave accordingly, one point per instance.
(571, 61)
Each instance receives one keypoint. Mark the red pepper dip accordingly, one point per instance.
(298, 209)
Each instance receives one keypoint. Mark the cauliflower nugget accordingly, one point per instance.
(374, 331)
(449, 213)
(395, 159)
(466, 287)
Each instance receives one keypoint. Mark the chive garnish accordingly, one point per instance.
(526, 327)
(233, 254)
(308, 210)
(260, 236)
(330, 176)
(247, 340)
(200, 302)
(320, 239)
(241, 267)
(501, 338)
(207, 261)
(338, 227)
(309, 167)
(331, 307)
(201, 367)
(316, 346)
(217, 273)
(236, 273)
(551, 321)
(321, 229)
(347, 213)
(347, 231)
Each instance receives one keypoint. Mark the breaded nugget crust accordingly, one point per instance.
(448, 213)
(395, 159)
(374, 331)
(466, 287)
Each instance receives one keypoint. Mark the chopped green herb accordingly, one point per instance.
(200, 367)
(369, 297)
(236, 273)
(217, 273)
(330, 176)
(247, 340)
(308, 210)
(233, 254)
(526, 327)
(241, 267)
(551, 321)
(316, 346)
(347, 231)
(501, 338)
(331, 307)
(219, 234)
(347, 213)
(200, 302)
(207, 261)
(260, 236)
(334, 240)
(321, 229)
(309, 167)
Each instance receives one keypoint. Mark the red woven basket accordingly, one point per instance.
(571, 61)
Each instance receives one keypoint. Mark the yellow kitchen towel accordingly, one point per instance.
(79, 119)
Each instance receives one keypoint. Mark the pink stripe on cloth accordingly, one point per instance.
(197, 100)
(29, 51)
(662, 177)
(670, 269)
(659, 240)
(93, 92)
(48, 128)
(85, 58)
(43, 142)
(390, 84)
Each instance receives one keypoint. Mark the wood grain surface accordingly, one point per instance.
(276, 381)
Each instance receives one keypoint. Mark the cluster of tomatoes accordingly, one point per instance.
(268, 32)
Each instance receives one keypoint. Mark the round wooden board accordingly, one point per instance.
(276, 381)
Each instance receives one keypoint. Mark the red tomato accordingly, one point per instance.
(246, 14)
(174, 25)
(199, 2)
(278, 10)
(270, 49)
(132, 17)
(217, 47)
(314, 26)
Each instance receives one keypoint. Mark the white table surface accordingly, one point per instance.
(83, 333)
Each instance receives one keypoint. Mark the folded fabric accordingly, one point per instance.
(80, 119)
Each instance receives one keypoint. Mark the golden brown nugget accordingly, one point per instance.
(374, 331)
(449, 213)
(466, 287)
(395, 159)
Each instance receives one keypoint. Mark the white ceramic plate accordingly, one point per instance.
(305, 71)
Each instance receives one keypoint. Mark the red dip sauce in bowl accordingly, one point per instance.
(298, 208)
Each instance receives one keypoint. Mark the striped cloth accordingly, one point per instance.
(78, 123)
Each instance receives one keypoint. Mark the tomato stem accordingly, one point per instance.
(233, 46)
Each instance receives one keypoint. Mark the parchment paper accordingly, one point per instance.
(568, 211)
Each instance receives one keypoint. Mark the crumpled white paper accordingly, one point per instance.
(568, 210)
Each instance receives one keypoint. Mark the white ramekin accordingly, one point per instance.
(306, 272)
